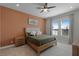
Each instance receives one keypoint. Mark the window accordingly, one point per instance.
(55, 27)
(65, 26)
(61, 26)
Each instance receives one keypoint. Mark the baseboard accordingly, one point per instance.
(7, 46)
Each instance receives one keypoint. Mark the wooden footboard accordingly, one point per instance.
(41, 48)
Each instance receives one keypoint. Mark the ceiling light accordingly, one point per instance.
(17, 5)
(71, 7)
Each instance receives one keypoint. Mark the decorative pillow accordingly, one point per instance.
(33, 33)
(39, 33)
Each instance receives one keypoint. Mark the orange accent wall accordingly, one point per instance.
(13, 22)
(0, 26)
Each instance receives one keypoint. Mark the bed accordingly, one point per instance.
(41, 39)
(41, 42)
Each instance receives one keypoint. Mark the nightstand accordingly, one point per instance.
(19, 41)
(75, 49)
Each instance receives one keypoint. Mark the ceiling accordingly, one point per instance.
(31, 8)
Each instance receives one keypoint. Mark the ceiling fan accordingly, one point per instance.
(45, 8)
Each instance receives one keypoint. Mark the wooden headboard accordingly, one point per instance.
(29, 30)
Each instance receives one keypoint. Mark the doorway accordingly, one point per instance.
(61, 29)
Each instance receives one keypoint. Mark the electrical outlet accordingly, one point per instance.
(11, 41)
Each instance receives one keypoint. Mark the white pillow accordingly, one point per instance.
(39, 33)
(33, 32)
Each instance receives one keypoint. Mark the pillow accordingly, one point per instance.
(33, 33)
(39, 33)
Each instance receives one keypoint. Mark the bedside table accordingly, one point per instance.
(75, 49)
(19, 41)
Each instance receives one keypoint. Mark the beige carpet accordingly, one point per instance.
(25, 50)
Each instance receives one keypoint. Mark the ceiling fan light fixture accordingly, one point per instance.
(45, 10)
(17, 5)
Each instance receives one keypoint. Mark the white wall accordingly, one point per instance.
(76, 26)
(48, 26)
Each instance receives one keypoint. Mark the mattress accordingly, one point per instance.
(41, 39)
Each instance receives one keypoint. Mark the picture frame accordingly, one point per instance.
(33, 21)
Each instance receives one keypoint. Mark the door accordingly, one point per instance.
(61, 29)
(65, 30)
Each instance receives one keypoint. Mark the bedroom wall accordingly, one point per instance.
(0, 26)
(76, 26)
(13, 23)
(48, 26)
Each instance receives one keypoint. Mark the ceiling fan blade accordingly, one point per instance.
(39, 8)
(41, 11)
(51, 7)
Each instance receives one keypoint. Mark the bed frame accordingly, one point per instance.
(43, 47)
